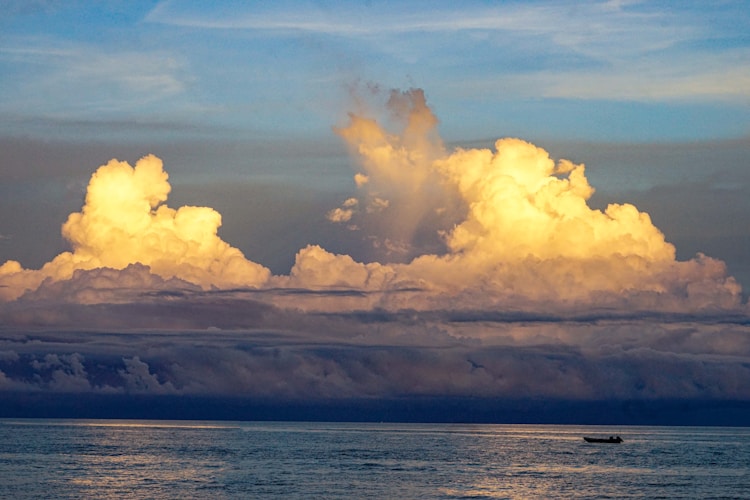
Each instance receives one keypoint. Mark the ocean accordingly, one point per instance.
(108, 459)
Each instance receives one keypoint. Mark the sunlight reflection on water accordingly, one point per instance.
(137, 459)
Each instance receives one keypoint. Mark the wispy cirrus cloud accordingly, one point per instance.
(602, 20)
(94, 79)
(592, 50)
(719, 79)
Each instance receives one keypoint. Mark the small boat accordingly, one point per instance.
(610, 439)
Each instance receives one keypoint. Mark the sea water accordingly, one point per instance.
(178, 459)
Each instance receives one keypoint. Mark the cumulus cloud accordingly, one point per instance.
(406, 202)
(124, 221)
(345, 212)
(522, 228)
(138, 378)
(62, 373)
(461, 228)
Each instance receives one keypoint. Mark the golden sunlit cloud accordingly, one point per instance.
(512, 229)
(403, 195)
(124, 221)
(345, 212)
(523, 225)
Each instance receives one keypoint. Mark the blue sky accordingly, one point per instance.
(611, 71)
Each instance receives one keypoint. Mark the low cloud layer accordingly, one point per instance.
(230, 345)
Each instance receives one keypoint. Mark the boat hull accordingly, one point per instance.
(610, 440)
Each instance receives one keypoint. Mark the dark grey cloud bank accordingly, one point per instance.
(192, 354)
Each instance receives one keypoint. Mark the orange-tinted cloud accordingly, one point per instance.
(508, 227)
(124, 221)
(524, 228)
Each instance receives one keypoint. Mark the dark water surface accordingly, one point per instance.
(178, 459)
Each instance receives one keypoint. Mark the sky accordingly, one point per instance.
(380, 201)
